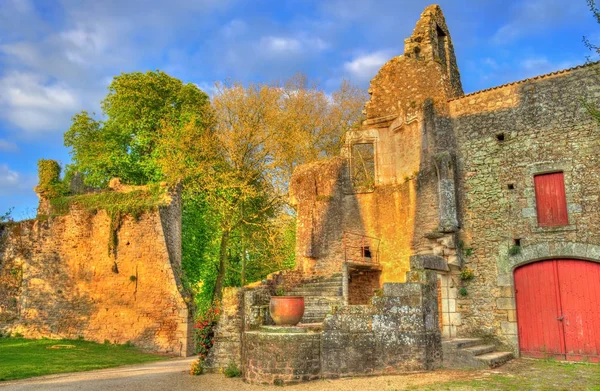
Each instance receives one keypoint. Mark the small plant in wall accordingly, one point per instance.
(232, 370)
(463, 292)
(514, 250)
(467, 274)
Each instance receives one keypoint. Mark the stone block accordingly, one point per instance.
(508, 328)
(505, 303)
(432, 262)
(396, 289)
(504, 280)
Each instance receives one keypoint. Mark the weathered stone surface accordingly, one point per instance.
(70, 286)
(432, 262)
(227, 347)
(281, 358)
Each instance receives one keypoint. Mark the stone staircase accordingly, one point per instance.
(320, 294)
(462, 353)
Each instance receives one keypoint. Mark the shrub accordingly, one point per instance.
(197, 368)
(463, 291)
(50, 185)
(204, 331)
(232, 370)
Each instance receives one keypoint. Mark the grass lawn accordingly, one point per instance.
(527, 375)
(21, 358)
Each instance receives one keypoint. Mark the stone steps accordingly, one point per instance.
(463, 353)
(320, 294)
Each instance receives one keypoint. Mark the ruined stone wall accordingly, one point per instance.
(70, 286)
(398, 333)
(404, 122)
(545, 128)
(227, 347)
(278, 358)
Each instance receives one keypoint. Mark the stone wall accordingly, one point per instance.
(66, 284)
(411, 205)
(227, 347)
(505, 136)
(398, 333)
(279, 358)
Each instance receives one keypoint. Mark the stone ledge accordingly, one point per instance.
(432, 262)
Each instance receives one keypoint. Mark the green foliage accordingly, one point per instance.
(50, 185)
(232, 370)
(116, 204)
(22, 358)
(7, 216)
(468, 252)
(280, 291)
(514, 250)
(463, 292)
(134, 203)
(466, 274)
(124, 145)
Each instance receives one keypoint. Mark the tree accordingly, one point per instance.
(591, 107)
(124, 145)
(234, 158)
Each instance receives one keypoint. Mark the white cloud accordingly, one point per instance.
(534, 16)
(300, 44)
(33, 104)
(234, 28)
(8, 146)
(9, 180)
(539, 65)
(365, 67)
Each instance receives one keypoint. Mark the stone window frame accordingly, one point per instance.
(363, 139)
(530, 212)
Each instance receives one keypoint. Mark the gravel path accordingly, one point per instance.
(172, 375)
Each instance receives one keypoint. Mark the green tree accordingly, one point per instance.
(591, 107)
(124, 144)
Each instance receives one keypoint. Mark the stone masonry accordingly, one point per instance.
(65, 284)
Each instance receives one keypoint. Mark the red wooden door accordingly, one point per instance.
(579, 283)
(551, 200)
(558, 309)
(538, 307)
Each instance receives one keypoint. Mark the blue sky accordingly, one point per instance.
(58, 56)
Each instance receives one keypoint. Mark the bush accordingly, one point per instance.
(463, 291)
(197, 368)
(50, 185)
(204, 331)
(232, 370)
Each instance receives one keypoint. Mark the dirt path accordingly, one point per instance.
(172, 376)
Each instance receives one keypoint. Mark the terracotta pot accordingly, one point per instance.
(286, 310)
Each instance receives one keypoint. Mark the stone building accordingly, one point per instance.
(474, 194)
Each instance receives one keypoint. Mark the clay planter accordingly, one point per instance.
(286, 310)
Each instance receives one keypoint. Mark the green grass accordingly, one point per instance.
(21, 358)
(528, 375)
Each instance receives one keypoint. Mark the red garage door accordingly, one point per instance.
(558, 309)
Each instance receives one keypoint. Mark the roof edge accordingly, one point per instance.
(539, 77)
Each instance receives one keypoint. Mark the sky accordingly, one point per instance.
(57, 57)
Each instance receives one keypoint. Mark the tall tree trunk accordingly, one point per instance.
(243, 261)
(218, 293)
